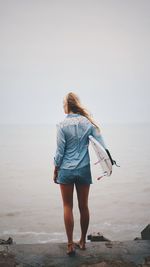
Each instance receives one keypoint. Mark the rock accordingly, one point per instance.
(145, 234)
(146, 262)
(97, 237)
(7, 258)
(111, 263)
(137, 238)
(9, 241)
(97, 254)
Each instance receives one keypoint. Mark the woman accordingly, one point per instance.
(72, 164)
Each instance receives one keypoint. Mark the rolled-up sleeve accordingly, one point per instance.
(61, 142)
(98, 136)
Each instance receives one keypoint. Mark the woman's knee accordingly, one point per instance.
(68, 206)
(83, 207)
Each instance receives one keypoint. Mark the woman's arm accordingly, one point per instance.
(98, 136)
(61, 142)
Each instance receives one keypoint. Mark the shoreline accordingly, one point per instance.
(130, 253)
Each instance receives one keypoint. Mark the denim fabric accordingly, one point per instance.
(77, 176)
(72, 142)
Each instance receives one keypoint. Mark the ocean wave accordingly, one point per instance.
(16, 232)
(118, 227)
(10, 214)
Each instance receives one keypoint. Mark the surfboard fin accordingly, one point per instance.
(112, 161)
(104, 174)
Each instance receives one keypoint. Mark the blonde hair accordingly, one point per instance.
(74, 105)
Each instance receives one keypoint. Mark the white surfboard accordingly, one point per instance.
(105, 160)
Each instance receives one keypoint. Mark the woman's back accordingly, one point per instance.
(73, 141)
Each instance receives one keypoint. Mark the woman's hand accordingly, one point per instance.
(55, 175)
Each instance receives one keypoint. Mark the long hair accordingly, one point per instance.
(74, 105)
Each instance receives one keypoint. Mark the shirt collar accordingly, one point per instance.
(72, 115)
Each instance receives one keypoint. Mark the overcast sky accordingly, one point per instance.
(99, 49)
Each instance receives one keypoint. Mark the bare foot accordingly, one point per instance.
(70, 249)
(80, 245)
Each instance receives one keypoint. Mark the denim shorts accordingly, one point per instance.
(77, 176)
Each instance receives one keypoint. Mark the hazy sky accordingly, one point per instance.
(99, 49)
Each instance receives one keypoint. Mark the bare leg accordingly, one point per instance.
(67, 196)
(82, 194)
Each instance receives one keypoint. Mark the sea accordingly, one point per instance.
(31, 209)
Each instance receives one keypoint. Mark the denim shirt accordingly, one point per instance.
(72, 141)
